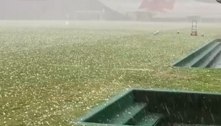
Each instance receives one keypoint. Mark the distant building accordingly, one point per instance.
(57, 9)
(142, 10)
(82, 9)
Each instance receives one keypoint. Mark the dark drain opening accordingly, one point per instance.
(159, 108)
(209, 56)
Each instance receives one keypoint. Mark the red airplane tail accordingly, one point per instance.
(157, 5)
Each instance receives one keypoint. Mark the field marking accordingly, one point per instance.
(133, 69)
(63, 65)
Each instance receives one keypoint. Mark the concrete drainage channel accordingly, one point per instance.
(158, 108)
(209, 56)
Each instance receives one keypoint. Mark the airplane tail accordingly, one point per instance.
(157, 5)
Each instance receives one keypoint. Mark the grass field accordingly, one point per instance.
(52, 75)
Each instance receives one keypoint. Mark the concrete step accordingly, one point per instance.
(208, 58)
(123, 116)
(201, 55)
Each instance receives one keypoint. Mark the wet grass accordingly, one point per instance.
(54, 75)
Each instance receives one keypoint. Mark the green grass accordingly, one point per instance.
(54, 75)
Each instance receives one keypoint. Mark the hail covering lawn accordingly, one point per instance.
(52, 75)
